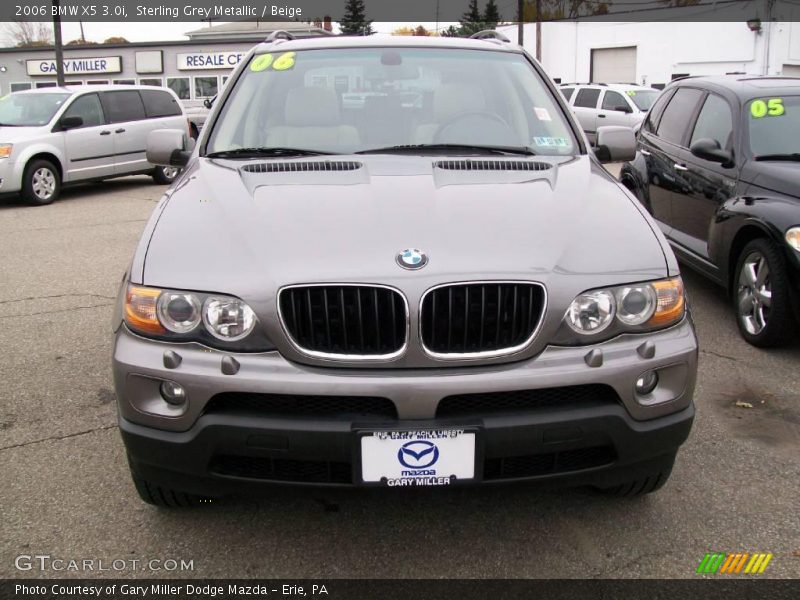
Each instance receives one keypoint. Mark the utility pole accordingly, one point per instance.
(539, 30)
(59, 45)
(520, 21)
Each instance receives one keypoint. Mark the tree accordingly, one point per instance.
(29, 34)
(81, 42)
(564, 9)
(421, 31)
(449, 32)
(354, 21)
(115, 39)
(491, 16)
(471, 21)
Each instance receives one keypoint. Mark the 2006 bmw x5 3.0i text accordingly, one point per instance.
(394, 262)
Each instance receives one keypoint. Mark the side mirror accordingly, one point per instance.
(710, 150)
(169, 147)
(615, 144)
(70, 123)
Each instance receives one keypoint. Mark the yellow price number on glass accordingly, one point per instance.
(283, 63)
(773, 107)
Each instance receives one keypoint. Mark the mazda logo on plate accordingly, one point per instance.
(411, 258)
(419, 454)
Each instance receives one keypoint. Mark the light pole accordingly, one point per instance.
(58, 44)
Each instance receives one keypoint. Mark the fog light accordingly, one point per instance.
(172, 393)
(646, 383)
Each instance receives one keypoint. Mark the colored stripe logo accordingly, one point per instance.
(734, 564)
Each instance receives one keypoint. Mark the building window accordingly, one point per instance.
(181, 87)
(97, 82)
(225, 79)
(18, 87)
(73, 83)
(205, 87)
(124, 82)
(45, 84)
(154, 81)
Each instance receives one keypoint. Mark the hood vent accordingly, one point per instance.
(491, 165)
(303, 166)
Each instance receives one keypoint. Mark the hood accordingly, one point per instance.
(9, 135)
(779, 176)
(569, 226)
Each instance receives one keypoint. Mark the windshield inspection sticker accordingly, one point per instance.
(283, 63)
(542, 114)
(773, 107)
(551, 142)
(631, 92)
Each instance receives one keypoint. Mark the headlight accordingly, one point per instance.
(180, 313)
(598, 315)
(5, 150)
(591, 312)
(793, 238)
(228, 318)
(218, 321)
(636, 304)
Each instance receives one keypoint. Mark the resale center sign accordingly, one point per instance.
(208, 60)
(76, 66)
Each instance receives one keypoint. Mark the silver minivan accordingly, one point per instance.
(61, 135)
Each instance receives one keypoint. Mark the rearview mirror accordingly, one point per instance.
(209, 102)
(615, 144)
(710, 150)
(169, 147)
(70, 123)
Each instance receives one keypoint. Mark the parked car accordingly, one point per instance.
(599, 104)
(717, 166)
(475, 299)
(58, 136)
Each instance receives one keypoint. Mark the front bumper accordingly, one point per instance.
(215, 452)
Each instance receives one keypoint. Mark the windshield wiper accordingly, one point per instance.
(795, 156)
(264, 151)
(461, 148)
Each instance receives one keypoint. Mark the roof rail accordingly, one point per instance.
(279, 34)
(490, 34)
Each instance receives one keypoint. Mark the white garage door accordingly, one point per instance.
(614, 65)
(791, 71)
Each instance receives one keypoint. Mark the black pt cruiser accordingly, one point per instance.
(718, 166)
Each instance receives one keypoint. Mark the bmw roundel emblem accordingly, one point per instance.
(411, 258)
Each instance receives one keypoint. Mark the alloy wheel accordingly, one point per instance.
(754, 293)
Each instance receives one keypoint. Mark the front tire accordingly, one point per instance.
(761, 295)
(165, 175)
(41, 183)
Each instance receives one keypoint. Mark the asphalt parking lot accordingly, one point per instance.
(66, 492)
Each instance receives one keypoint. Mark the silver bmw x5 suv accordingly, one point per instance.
(439, 285)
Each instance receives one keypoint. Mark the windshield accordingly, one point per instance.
(20, 110)
(357, 100)
(774, 125)
(644, 100)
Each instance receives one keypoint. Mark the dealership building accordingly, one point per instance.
(195, 69)
(654, 53)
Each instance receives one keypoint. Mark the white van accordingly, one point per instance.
(61, 135)
(599, 104)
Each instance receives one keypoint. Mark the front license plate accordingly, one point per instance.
(417, 457)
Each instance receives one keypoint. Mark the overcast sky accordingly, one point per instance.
(163, 31)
